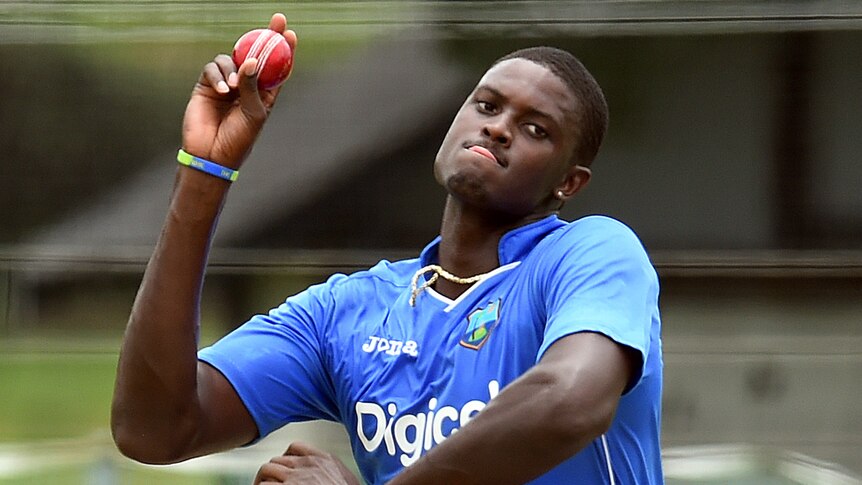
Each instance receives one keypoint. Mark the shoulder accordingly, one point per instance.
(382, 278)
(598, 226)
(595, 235)
(395, 274)
(594, 248)
(341, 293)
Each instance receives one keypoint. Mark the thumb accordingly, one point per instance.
(249, 97)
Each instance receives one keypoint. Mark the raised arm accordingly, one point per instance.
(547, 415)
(167, 406)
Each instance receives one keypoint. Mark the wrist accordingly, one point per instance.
(197, 197)
(206, 166)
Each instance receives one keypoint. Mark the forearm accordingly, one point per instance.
(155, 397)
(544, 417)
(517, 437)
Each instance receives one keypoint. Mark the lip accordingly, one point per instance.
(485, 152)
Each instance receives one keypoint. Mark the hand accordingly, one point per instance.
(226, 110)
(305, 464)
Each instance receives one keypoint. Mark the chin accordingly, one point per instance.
(466, 188)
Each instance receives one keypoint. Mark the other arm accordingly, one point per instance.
(544, 417)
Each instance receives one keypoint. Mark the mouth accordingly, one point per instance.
(485, 152)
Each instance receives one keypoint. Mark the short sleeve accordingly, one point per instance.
(275, 362)
(599, 279)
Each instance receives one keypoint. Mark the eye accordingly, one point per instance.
(535, 131)
(485, 106)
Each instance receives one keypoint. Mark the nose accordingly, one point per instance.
(497, 130)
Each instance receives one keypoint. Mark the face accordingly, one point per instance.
(510, 146)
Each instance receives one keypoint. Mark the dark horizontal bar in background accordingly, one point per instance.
(63, 21)
(729, 263)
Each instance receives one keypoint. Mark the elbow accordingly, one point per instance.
(575, 417)
(594, 425)
(138, 447)
(141, 449)
(141, 444)
(130, 445)
(580, 422)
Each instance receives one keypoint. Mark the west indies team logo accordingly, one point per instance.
(480, 323)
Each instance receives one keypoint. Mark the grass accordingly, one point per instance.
(58, 385)
(54, 395)
(108, 473)
(55, 400)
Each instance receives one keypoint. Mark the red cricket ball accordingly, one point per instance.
(273, 54)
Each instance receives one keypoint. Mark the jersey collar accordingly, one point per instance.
(514, 245)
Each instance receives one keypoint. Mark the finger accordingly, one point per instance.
(248, 94)
(272, 471)
(298, 448)
(227, 68)
(290, 37)
(213, 77)
(278, 22)
(225, 64)
(289, 462)
(247, 71)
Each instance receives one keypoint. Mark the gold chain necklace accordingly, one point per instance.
(416, 289)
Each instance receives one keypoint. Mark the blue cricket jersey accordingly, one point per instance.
(402, 378)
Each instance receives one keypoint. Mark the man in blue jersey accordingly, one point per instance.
(516, 348)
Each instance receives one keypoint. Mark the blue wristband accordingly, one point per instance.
(206, 166)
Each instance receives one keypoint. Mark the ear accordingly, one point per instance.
(576, 178)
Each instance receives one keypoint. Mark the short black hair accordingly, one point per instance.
(592, 112)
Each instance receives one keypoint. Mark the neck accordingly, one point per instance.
(469, 242)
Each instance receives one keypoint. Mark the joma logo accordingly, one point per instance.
(390, 347)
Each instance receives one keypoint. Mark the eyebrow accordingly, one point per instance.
(532, 111)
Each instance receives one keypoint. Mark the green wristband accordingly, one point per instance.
(206, 166)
